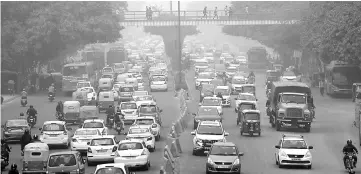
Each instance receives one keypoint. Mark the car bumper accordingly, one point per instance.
(125, 99)
(305, 161)
(100, 157)
(198, 148)
(55, 141)
(132, 162)
(214, 168)
(78, 147)
(294, 123)
(158, 87)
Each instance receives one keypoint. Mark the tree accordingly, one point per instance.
(36, 32)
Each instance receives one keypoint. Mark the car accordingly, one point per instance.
(130, 111)
(290, 76)
(97, 124)
(242, 97)
(82, 84)
(102, 149)
(203, 78)
(231, 71)
(145, 134)
(207, 133)
(55, 133)
(223, 157)
(13, 130)
(144, 100)
(90, 92)
(236, 84)
(158, 84)
(107, 70)
(292, 150)
(126, 92)
(140, 93)
(133, 153)
(81, 137)
(149, 122)
(206, 113)
(116, 86)
(140, 84)
(66, 162)
(212, 102)
(226, 94)
(112, 168)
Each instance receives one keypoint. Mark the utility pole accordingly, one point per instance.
(179, 44)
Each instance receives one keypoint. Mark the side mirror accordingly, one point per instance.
(277, 147)
(88, 143)
(194, 114)
(226, 133)
(240, 154)
(40, 129)
(206, 152)
(310, 147)
(193, 133)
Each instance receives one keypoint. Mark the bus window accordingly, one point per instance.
(74, 71)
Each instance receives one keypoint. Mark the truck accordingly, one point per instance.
(116, 54)
(257, 58)
(287, 106)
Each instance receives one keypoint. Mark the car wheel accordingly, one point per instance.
(90, 163)
(309, 167)
(157, 138)
(146, 166)
(276, 161)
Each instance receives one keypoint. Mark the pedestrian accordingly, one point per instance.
(226, 11)
(215, 13)
(247, 9)
(150, 13)
(11, 87)
(322, 87)
(230, 13)
(146, 12)
(205, 12)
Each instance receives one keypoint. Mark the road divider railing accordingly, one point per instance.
(173, 149)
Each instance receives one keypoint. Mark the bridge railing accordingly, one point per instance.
(198, 15)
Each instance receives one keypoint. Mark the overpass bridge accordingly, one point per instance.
(191, 18)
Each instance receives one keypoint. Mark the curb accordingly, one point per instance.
(11, 99)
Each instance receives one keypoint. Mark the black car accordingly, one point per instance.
(206, 114)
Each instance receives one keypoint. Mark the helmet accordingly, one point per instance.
(31, 106)
(349, 141)
(14, 166)
(35, 137)
(93, 98)
(21, 114)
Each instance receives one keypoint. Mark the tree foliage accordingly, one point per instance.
(36, 32)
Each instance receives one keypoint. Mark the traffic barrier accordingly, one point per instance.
(162, 170)
(169, 168)
(177, 168)
(178, 128)
(174, 149)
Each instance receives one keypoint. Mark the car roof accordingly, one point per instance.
(249, 94)
(128, 102)
(292, 137)
(251, 111)
(103, 136)
(210, 123)
(55, 122)
(290, 83)
(145, 117)
(94, 120)
(64, 152)
(137, 127)
(224, 144)
(131, 140)
(119, 165)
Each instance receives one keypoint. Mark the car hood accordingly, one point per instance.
(220, 158)
(135, 152)
(210, 137)
(295, 151)
(203, 80)
(207, 117)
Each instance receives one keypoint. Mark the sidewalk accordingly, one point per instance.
(8, 98)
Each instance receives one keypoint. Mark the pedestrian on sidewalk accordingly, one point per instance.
(204, 12)
(322, 87)
(150, 13)
(230, 13)
(146, 12)
(215, 13)
(11, 87)
(226, 11)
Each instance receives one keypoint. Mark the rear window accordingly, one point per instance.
(126, 89)
(93, 125)
(64, 159)
(86, 132)
(102, 142)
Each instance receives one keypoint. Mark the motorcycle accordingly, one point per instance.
(51, 97)
(110, 122)
(350, 163)
(119, 127)
(23, 102)
(4, 160)
(31, 121)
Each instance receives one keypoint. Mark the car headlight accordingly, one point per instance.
(283, 154)
(308, 154)
(236, 162)
(210, 161)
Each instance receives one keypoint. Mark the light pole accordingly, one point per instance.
(179, 44)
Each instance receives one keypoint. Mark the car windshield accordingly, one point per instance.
(148, 109)
(119, 66)
(238, 81)
(138, 131)
(144, 121)
(64, 159)
(126, 89)
(204, 76)
(210, 130)
(93, 125)
(224, 150)
(110, 170)
(158, 78)
(222, 91)
(217, 82)
(107, 70)
(53, 127)
(130, 146)
(107, 76)
(294, 144)
(246, 97)
(244, 106)
(252, 116)
(290, 98)
(144, 98)
(211, 102)
(102, 142)
(137, 93)
(86, 132)
(207, 88)
(208, 111)
(128, 106)
(16, 123)
(249, 89)
(80, 85)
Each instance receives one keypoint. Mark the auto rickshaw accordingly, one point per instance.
(106, 98)
(35, 157)
(249, 88)
(71, 111)
(88, 112)
(244, 106)
(105, 84)
(81, 96)
(133, 82)
(355, 87)
(250, 122)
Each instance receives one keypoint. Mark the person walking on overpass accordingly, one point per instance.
(246, 9)
(226, 11)
(215, 13)
(150, 13)
(230, 13)
(146, 12)
(204, 12)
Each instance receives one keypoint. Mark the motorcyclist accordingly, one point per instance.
(119, 116)
(269, 85)
(349, 148)
(25, 139)
(5, 149)
(219, 95)
(51, 90)
(32, 112)
(59, 107)
(92, 102)
(110, 113)
(13, 169)
(24, 94)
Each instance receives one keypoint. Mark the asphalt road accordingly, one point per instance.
(46, 110)
(329, 132)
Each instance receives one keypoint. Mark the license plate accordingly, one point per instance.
(296, 159)
(102, 151)
(222, 166)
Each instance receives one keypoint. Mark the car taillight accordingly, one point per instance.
(114, 149)
(89, 150)
(74, 140)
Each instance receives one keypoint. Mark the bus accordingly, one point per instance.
(74, 72)
(339, 77)
(257, 58)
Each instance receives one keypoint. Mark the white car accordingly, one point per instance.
(158, 85)
(226, 94)
(290, 76)
(140, 84)
(140, 93)
(82, 84)
(130, 111)
(236, 84)
(245, 97)
(231, 71)
(55, 133)
(117, 86)
(108, 76)
(112, 168)
(82, 137)
(133, 153)
(204, 77)
(149, 122)
(292, 150)
(96, 124)
(145, 134)
(90, 92)
(102, 149)
(144, 100)
(212, 102)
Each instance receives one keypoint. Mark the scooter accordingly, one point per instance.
(51, 97)
(350, 163)
(31, 121)
(24, 102)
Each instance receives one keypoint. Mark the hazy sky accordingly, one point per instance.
(185, 5)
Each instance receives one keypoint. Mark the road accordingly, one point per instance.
(46, 110)
(330, 130)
